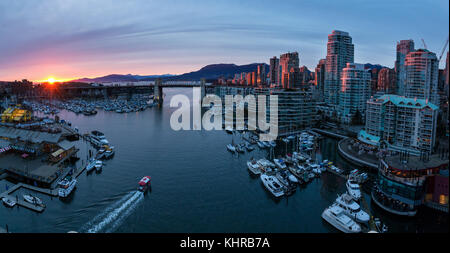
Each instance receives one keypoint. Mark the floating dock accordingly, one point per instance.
(20, 202)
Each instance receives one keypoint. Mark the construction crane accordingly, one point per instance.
(443, 49)
(424, 45)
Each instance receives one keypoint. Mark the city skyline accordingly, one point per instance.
(89, 39)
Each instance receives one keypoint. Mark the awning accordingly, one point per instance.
(58, 152)
(4, 149)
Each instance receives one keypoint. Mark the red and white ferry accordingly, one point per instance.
(144, 183)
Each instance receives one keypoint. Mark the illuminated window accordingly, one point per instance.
(443, 200)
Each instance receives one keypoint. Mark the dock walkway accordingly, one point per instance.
(37, 208)
(367, 209)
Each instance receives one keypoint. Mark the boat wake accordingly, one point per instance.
(111, 218)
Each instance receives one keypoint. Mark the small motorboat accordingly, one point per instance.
(144, 183)
(254, 167)
(109, 152)
(273, 185)
(98, 165)
(8, 202)
(91, 165)
(240, 148)
(231, 148)
(279, 163)
(382, 228)
(32, 199)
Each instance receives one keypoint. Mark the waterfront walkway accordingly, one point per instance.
(329, 133)
(365, 159)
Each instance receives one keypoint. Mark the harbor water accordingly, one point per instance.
(197, 185)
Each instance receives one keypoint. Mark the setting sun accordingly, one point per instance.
(51, 80)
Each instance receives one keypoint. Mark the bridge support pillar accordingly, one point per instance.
(202, 89)
(158, 93)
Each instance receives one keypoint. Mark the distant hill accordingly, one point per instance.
(215, 71)
(373, 66)
(118, 78)
(212, 71)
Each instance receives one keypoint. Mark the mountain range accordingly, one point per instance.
(212, 71)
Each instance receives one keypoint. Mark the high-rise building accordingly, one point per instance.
(404, 47)
(249, 79)
(274, 71)
(305, 76)
(374, 80)
(354, 92)
(340, 51)
(261, 75)
(446, 76)
(296, 109)
(254, 78)
(422, 70)
(386, 81)
(320, 78)
(400, 124)
(289, 63)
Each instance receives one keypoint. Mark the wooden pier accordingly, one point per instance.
(20, 202)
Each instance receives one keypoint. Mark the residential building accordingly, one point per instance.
(386, 81)
(404, 47)
(422, 71)
(354, 92)
(289, 64)
(340, 51)
(400, 124)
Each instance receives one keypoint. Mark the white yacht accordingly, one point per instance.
(231, 148)
(91, 165)
(260, 144)
(253, 166)
(8, 202)
(32, 199)
(109, 152)
(279, 163)
(351, 208)
(335, 216)
(291, 177)
(98, 165)
(315, 168)
(66, 186)
(273, 185)
(353, 189)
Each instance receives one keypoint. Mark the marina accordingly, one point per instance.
(198, 165)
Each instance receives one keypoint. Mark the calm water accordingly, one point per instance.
(197, 186)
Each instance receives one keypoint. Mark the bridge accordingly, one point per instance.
(116, 88)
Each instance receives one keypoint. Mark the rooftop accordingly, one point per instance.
(407, 102)
(416, 163)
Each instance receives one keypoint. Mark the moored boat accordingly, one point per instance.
(351, 208)
(32, 199)
(337, 218)
(272, 185)
(66, 186)
(8, 202)
(231, 148)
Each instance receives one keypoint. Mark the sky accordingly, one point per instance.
(68, 39)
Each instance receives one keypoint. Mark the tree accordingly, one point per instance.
(357, 118)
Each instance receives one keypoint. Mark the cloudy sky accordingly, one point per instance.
(79, 38)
